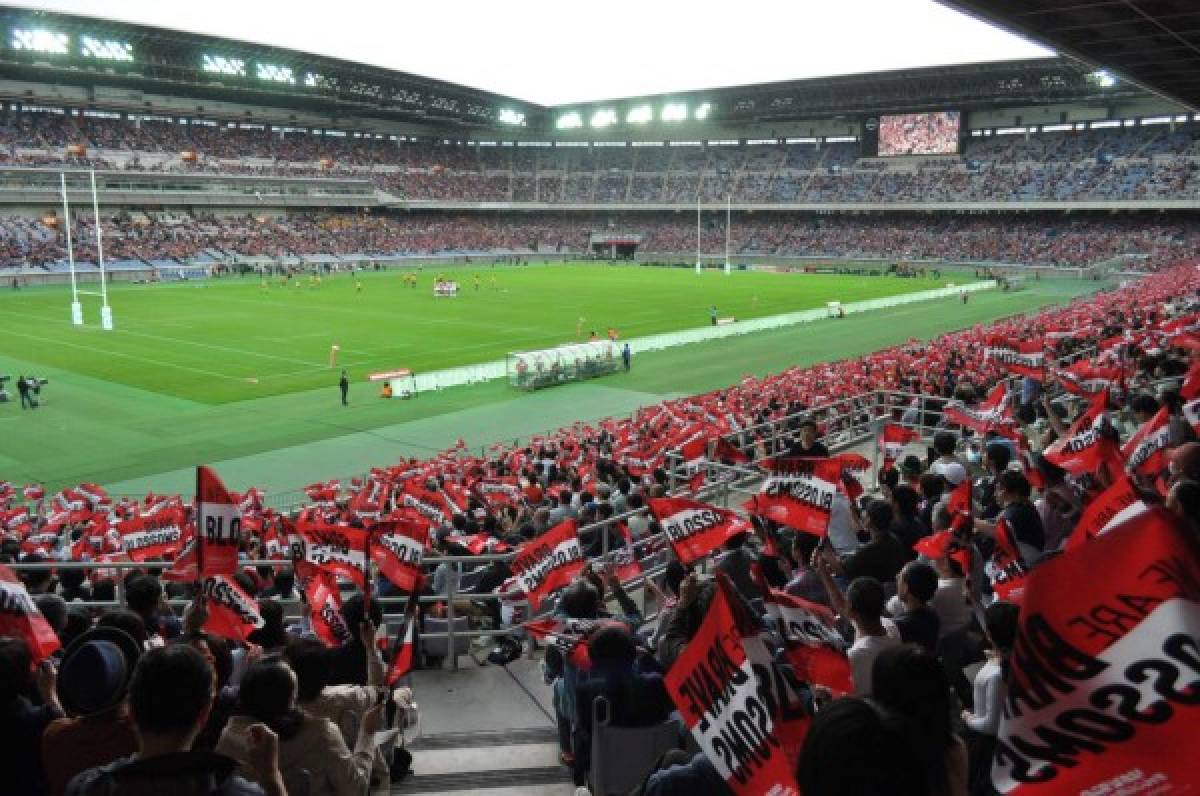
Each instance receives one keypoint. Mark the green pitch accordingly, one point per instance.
(235, 339)
(116, 420)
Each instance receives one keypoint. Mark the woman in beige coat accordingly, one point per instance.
(306, 743)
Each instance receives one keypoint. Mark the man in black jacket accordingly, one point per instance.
(344, 386)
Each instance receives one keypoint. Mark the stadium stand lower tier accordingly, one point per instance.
(1077, 240)
(1065, 470)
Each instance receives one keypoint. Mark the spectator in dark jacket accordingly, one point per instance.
(21, 722)
(633, 699)
(170, 696)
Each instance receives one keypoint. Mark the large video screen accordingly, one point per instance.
(919, 134)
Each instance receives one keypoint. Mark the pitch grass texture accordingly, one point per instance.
(94, 428)
(235, 340)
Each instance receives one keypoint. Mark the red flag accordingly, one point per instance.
(1007, 568)
(324, 600)
(1145, 452)
(892, 441)
(231, 612)
(186, 566)
(402, 662)
(154, 536)
(798, 493)
(726, 450)
(814, 647)
(549, 562)
(1085, 448)
(568, 636)
(724, 695)
(1115, 505)
(1191, 385)
(20, 617)
(397, 548)
(1102, 693)
(1023, 357)
(218, 525)
(693, 528)
(339, 549)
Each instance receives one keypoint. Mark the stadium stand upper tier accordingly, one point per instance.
(31, 246)
(1111, 163)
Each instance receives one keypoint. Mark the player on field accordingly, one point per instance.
(357, 285)
(477, 283)
(579, 327)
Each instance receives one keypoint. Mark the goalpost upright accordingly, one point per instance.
(106, 320)
(76, 307)
(728, 216)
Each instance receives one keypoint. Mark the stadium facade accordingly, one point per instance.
(181, 126)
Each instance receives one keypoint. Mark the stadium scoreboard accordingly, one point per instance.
(933, 133)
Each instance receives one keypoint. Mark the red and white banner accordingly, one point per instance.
(1102, 693)
(1087, 380)
(1023, 357)
(397, 548)
(231, 612)
(693, 528)
(814, 647)
(1115, 505)
(155, 536)
(325, 604)
(726, 700)
(1086, 448)
(218, 525)
(1007, 568)
(549, 562)
(798, 493)
(20, 617)
(406, 646)
(339, 549)
(892, 441)
(1146, 451)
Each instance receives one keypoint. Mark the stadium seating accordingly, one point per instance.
(1119, 163)
(1027, 239)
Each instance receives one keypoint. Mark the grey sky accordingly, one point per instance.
(561, 51)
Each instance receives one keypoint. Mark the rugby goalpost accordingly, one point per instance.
(106, 317)
(728, 224)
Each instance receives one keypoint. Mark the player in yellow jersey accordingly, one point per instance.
(477, 283)
(357, 285)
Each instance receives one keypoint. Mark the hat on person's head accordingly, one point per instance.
(910, 465)
(95, 670)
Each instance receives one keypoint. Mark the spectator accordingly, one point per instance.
(93, 681)
(633, 699)
(862, 605)
(169, 697)
(310, 749)
(853, 749)
(983, 722)
(910, 683)
(22, 723)
(918, 623)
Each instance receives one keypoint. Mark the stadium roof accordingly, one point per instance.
(1155, 43)
(63, 49)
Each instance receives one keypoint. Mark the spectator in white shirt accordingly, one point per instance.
(983, 721)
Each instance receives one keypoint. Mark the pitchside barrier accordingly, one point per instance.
(498, 369)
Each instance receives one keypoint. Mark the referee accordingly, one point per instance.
(344, 386)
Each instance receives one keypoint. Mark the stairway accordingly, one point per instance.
(485, 730)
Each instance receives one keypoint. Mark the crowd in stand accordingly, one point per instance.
(1023, 240)
(1129, 163)
(142, 698)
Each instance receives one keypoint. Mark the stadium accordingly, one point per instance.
(367, 431)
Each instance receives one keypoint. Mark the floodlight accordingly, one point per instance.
(105, 49)
(1104, 78)
(275, 74)
(674, 112)
(312, 79)
(640, 115)
(509, 116)
(221, 65)
(39, 41)
(702, 111)
(569, 121)
(604, 117)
